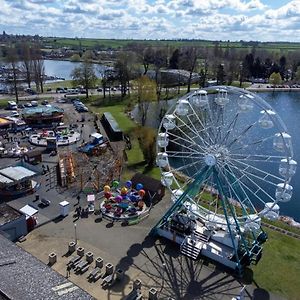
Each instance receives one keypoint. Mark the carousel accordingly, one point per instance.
(63, 137)
(123, 203)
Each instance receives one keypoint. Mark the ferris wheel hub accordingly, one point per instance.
(210, 160)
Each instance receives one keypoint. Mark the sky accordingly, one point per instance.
(234, 20)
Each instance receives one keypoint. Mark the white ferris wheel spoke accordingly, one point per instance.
(263, 173)
(259, 189)
(201, 123)
(185, 154)
(229, 129)
(257, 157)
(246, 201)
(242, 134)
(192, 141)
(192, 130)
(237, 197)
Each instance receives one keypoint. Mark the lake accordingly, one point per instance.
(287, 105)
(63, 68)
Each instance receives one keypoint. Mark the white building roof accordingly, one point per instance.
(28, 210)
(17, 173)
(97, 135)
(4, 179)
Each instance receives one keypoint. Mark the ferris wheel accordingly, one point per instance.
(227, 158)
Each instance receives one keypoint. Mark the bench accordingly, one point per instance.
(73, 260)
(81, 265)
(108, 280)
(97, 276)
(94, 272)
(134, 295)
(84, 269)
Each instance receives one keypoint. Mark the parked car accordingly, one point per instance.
(14, 114)
(28, 104)
(21, 106)
(45, 102)
(99, 90)
(30, 91)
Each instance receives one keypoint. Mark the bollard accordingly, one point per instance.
(153, 294)
(99, 262)
(109, 268)
(137, 284)
(89, 257)
(52, 258)
(80, 251)
(72, 247)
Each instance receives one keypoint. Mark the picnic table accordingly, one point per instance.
(94, 272)
(81, 265)
(73, 260)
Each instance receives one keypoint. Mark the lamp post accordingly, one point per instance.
(75, 229)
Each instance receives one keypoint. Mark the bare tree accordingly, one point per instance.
(38, 68)
(146, 92)
(27, 63)
(84, 75)
(13, 73)
(188, 61)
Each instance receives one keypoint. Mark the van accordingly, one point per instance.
(12, 105)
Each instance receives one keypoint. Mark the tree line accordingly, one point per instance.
(25, 64)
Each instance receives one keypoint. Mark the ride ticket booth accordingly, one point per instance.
(64, 208)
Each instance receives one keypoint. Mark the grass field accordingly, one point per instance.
(58, 42)
(279, 269)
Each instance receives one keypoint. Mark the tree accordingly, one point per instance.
(275, 78)
(174, 60)
(84, 75)
(27, 63)
(124, 71)
(38, 68)
(189, 62)
(282, 67)
(297, 74)
(147, 140)
(220, 74)
(12, 60)
(146, 93)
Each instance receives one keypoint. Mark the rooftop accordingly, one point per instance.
(42, 110)
(15, 173)
(8, 214)
(22, 276)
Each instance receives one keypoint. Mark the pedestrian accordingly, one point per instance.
(48, 168)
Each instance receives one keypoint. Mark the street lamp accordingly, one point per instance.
(75, 229)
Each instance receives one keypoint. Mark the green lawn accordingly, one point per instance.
(279, 269)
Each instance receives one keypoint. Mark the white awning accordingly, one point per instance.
(28, 210)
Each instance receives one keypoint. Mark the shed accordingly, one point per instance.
(154, 188)
(111, 127)
(33, 157)
(12, 222)
(17, 173)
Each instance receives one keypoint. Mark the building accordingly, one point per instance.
(154, 188)
(23, 276)
(43, 116)
(33, 157)
(12, 222)
(16, 182)
(5, 124)
(111, 127)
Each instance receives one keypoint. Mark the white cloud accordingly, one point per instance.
(209, 19)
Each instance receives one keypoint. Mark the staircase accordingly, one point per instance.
(201, 237)
(192, 246)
